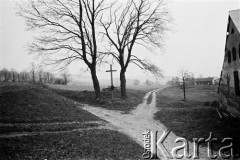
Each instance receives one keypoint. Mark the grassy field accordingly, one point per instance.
(134, 98)
(41, 127)
(89, 144)
(192, 119)
(90, 88)
(33, 103)
(71, 87)
(44, 115)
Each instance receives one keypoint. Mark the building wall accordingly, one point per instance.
(228, 98)
(233, 40)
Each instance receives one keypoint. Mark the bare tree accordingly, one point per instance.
(14, 74)
(18, 77)
(40, 75)
(66, 77)
(24, 76)
(45, 78)
(49, 77)
(141, 22)
(5, 74)
(21, 76)
(33, 72)
(181, 81)
(66, 28)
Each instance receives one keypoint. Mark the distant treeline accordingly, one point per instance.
(33, 76)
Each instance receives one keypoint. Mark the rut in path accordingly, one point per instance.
(99, 125)
(139, 121)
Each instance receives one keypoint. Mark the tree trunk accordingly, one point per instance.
(184, 94)
(33, 77)
(96, 85)
(123, 84)
(184, 89)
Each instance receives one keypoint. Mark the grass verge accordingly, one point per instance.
(28, 103)
(191, 119)
(45, 127)
(134, 98)
(94, 144)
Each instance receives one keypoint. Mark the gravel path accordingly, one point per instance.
(138, 122)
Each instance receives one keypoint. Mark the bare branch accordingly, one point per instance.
(140, 22)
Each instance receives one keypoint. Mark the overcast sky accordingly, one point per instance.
(196, 43)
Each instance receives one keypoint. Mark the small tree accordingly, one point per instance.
(33, 72)
(44, 77)
(66, 77)
(18, 77)
(24, 76)
(181, 81)
(59, 81)
(40, 75)
(13, 73)
(5, 74)
(49, 77)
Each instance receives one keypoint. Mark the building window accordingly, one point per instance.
(234, 54)
(232, 31)
(229, 57)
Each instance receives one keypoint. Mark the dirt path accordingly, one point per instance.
(47, 123)
(132, 124)
(99, 125)
(138, 122)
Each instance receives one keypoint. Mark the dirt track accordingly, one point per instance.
(133, 124)
(139, 121)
